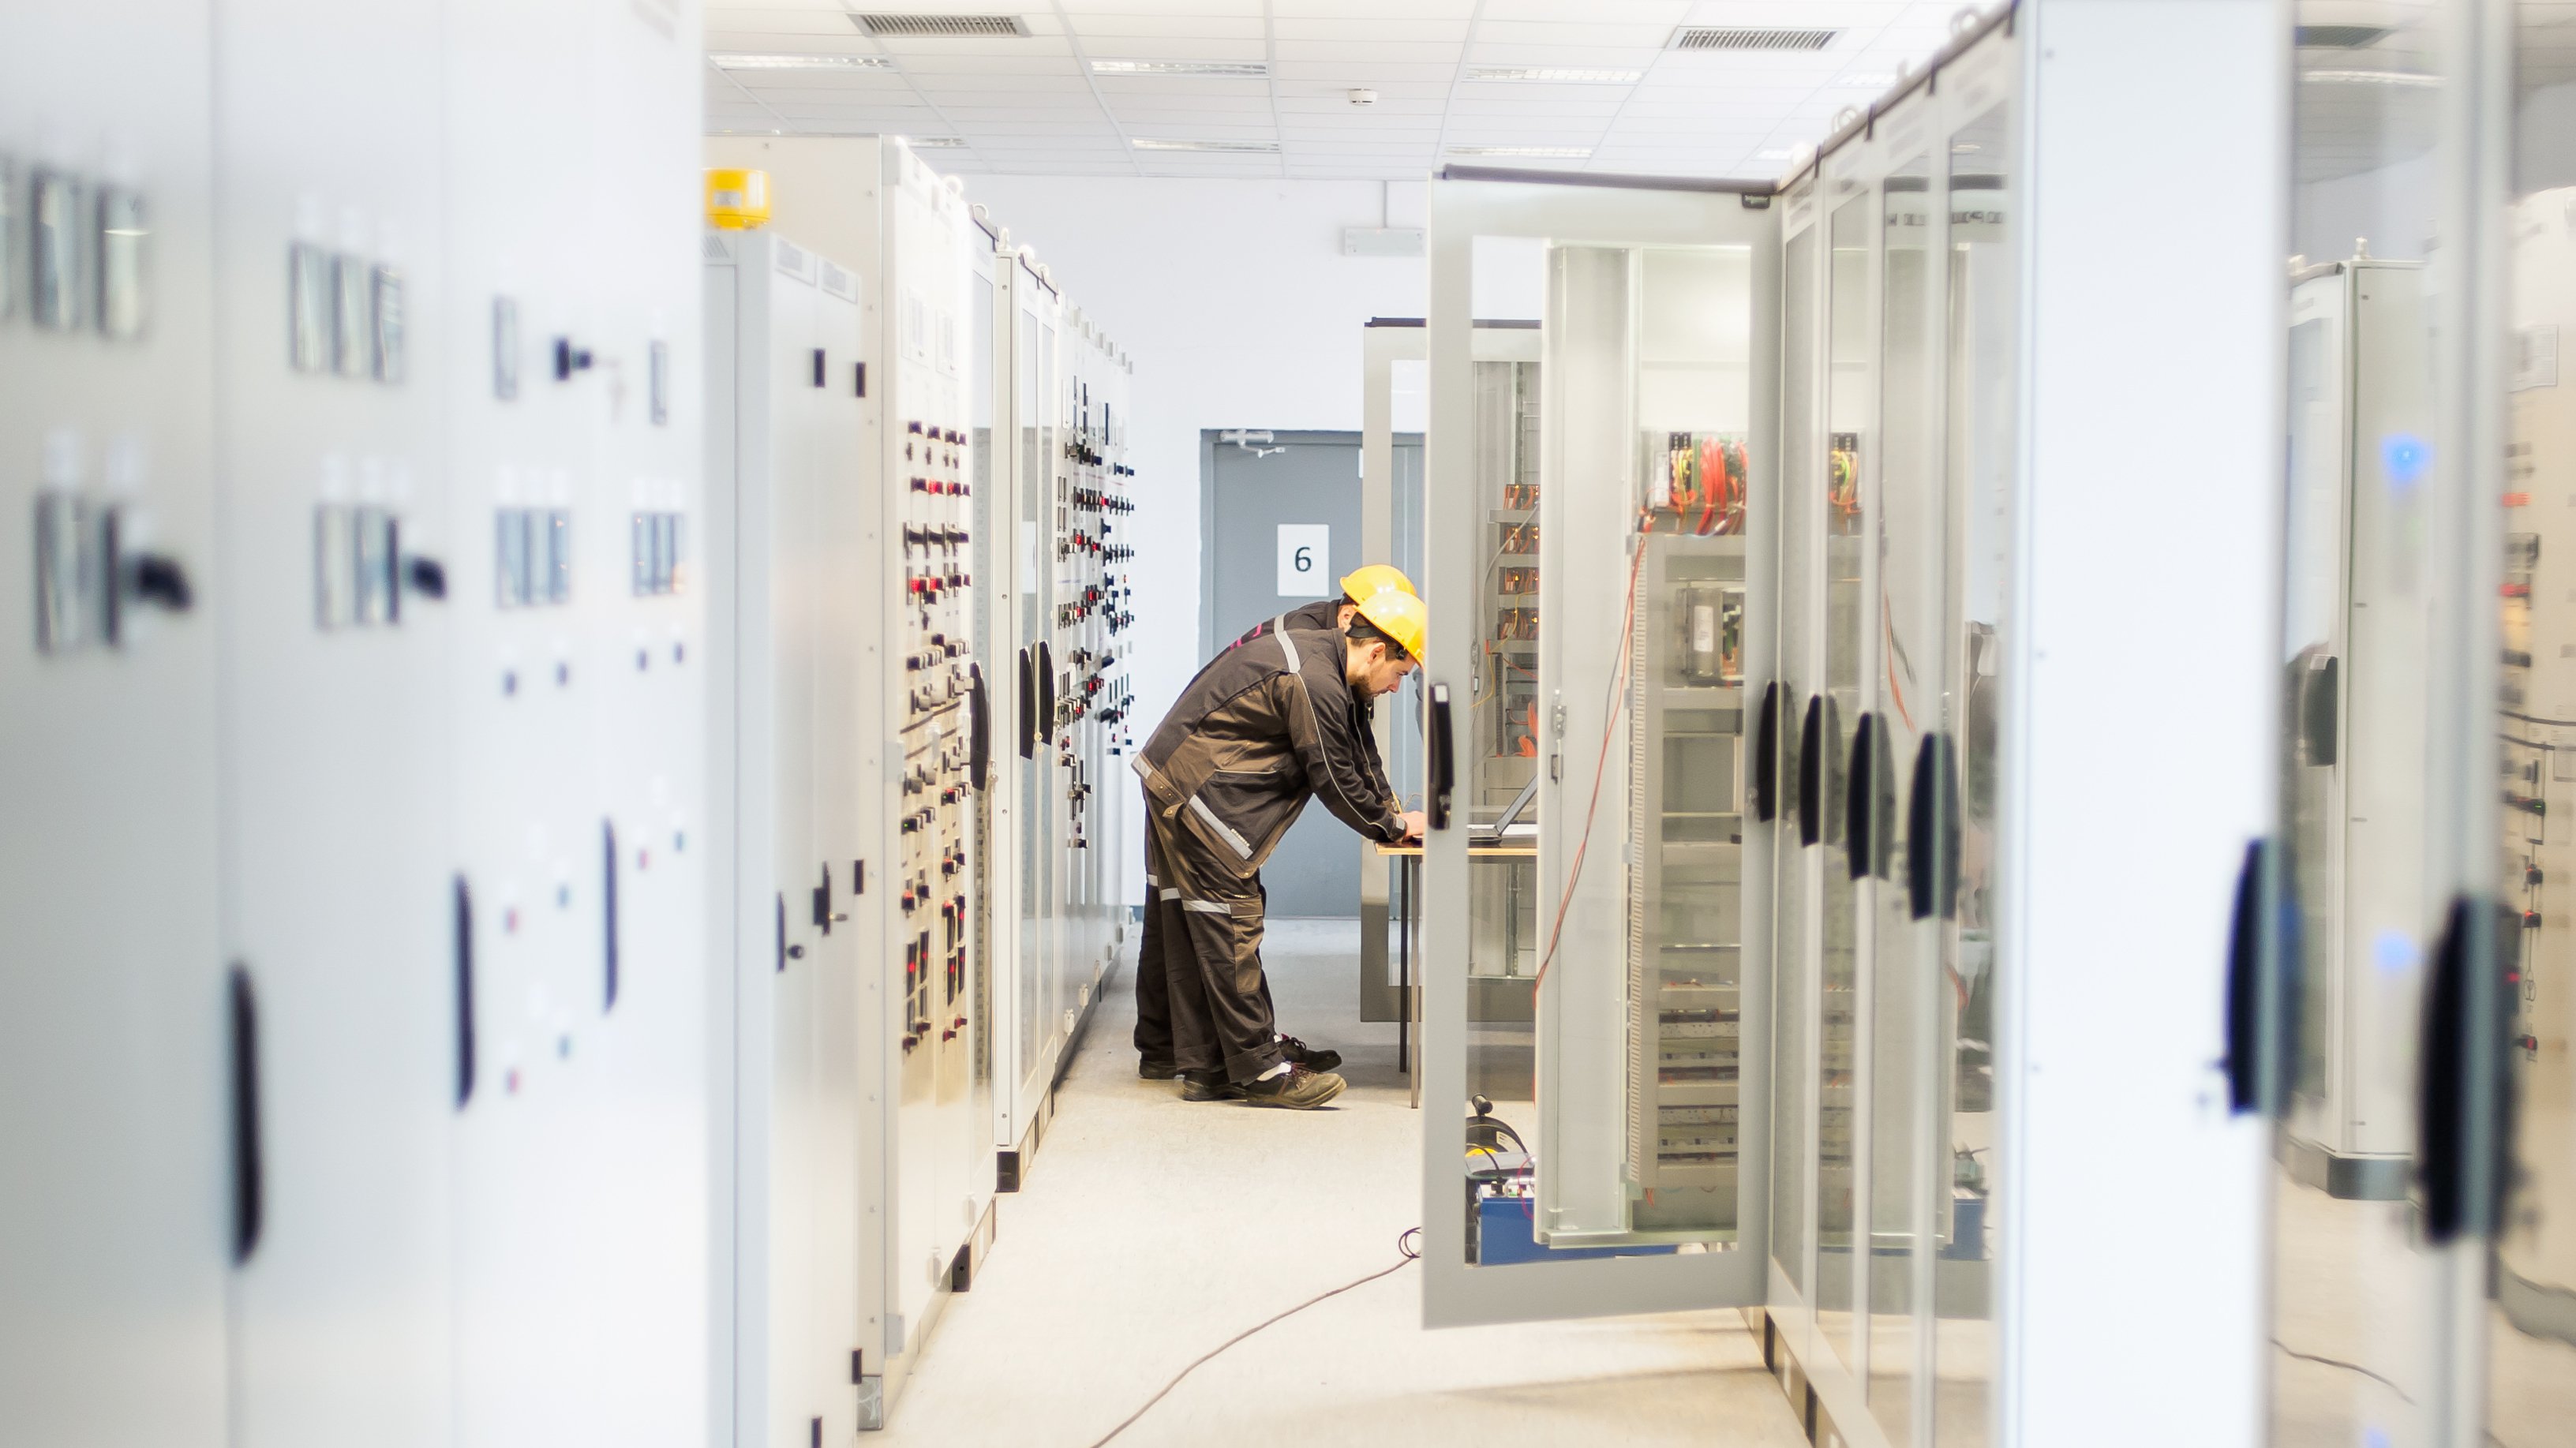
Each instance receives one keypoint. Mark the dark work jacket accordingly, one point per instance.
(1324, 616)
(1262, 729)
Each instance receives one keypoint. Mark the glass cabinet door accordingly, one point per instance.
(2531, 1318)
(1590, 830)
(2370, 1265)
(1898, 404)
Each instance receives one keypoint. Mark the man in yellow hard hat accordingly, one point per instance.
(1153, 1036)
(1261, 730)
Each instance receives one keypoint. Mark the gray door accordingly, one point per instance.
(1298, 479)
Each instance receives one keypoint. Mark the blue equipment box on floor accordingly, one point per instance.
(1503, 1236)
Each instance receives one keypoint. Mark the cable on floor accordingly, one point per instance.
(1405, 1243)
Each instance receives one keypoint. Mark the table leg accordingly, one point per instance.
(1405, 1011)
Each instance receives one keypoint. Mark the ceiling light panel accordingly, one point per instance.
(738, 60)
(1568, 73)
(1249, 69)
(1557, 153)
(1245, 147)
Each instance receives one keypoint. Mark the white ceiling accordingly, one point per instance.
(1034, 104)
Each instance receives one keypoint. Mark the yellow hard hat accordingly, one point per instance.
(1376, 578)
(1400, 616)
(737, 200)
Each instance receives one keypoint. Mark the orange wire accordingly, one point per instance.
(1609, 727)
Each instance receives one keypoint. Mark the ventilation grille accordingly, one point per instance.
(941, 24)
(1739, 37)
(2340, 37)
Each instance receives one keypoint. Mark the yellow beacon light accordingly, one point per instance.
(738, 200)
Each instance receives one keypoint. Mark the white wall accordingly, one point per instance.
(1239, 309)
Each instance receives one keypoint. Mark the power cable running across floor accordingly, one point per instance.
(1404, 1243)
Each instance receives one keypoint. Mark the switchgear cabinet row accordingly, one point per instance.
(915, 469)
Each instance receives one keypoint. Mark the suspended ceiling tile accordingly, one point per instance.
(1403, 29)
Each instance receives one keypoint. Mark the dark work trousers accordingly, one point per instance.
(1219, 1001)
(1153, 991)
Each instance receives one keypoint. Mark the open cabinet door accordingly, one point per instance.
(1595, 996)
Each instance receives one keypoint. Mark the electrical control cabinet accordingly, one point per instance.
(338, 527)
(2354, 640)
(578, 968)
(1712, 755)
(927, 1146)
(791, 675)
(122, 1108)
(1093, 614)
(338, 443)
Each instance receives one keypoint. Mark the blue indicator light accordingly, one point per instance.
(2405, 457)
(2393, 951)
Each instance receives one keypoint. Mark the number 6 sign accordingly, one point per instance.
(1305, 560)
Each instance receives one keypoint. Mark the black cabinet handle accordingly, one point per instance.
(250, 1174)
(1046, 691)
(1028, 705)
(1811, 784)
(461, 925)
(1765, 783)
(979, 727)
(2320, 705)
(1444, 758)
(1932, 830)
(609, 935)
(782, 930)
(2248, 1065)
(2466, 1023)
(1865, 811)
(427, 576)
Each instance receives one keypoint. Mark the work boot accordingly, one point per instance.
(1298, 1090)
(1153, 1070)
(1297, 1053)
(1208, 1086)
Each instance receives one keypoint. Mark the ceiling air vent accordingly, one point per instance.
(1740, 37)
(2339, 37)
(952, 25)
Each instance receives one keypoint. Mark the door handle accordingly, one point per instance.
(1444, 758)
(1046, 691)
(250, 1176)
(1028, 705)
(2253, 1074)
(1811, 784)
(1932, 830)
(1766, 755)
(1862, 841)
(461, 925)
(609, 939)
(979, 727)
(2461, 1041)
(2320, 703)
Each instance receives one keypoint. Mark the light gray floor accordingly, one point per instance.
(1151, 1229)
